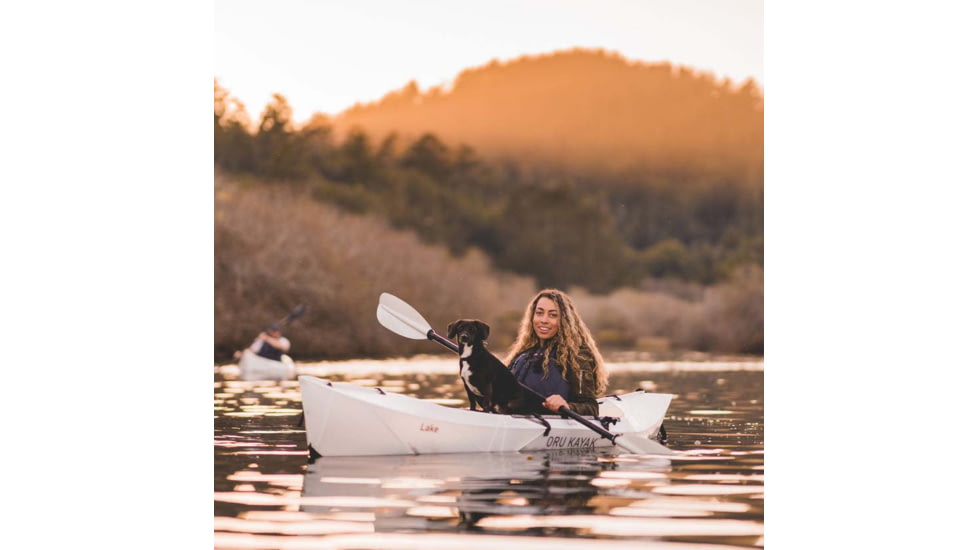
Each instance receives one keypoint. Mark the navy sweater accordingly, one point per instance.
(528, 369)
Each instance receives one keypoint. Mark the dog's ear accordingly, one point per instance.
(453, 329)
(483, 329)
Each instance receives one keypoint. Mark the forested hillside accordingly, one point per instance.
(638, 186)
(692, 209)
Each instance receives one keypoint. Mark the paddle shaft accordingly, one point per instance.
(296, 312)
(435, 337)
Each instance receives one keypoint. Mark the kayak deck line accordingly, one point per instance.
(374, 422)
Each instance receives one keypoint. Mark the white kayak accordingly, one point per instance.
(344, 419)
(256, 367)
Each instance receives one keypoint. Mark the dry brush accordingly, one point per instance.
(276, 247)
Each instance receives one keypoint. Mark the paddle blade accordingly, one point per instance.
(296, 312)
(642, 445)
(399, 317)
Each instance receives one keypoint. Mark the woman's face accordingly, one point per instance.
(546, 318)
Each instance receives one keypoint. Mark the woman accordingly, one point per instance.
(555, 355)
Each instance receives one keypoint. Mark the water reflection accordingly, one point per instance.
(462, 490)
(268, 494)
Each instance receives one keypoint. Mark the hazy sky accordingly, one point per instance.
(327, 55)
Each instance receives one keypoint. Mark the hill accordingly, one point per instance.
(588, 110)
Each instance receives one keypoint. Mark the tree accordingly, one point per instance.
(355, 158)
(564, 239)
(276, 146)
(316, 141)
(667, 258)
(428, 155)
(233, 144)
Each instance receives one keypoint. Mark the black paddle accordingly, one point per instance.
(297, 311)
(399, 317)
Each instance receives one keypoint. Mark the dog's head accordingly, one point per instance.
(468, 331)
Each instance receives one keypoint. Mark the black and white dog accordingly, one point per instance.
(487, 380)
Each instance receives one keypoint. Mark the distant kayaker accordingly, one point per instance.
(555, 355)
(269, 344)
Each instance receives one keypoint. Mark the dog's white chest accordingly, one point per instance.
(466, 371)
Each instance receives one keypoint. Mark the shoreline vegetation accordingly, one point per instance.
(275, 247)
(637, 188)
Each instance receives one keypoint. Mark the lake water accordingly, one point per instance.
(267, 494)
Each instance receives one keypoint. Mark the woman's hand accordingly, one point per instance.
(555, 402)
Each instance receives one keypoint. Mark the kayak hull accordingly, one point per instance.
(256, 367)
(348, 420)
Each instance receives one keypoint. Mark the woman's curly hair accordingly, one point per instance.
(575, 345)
